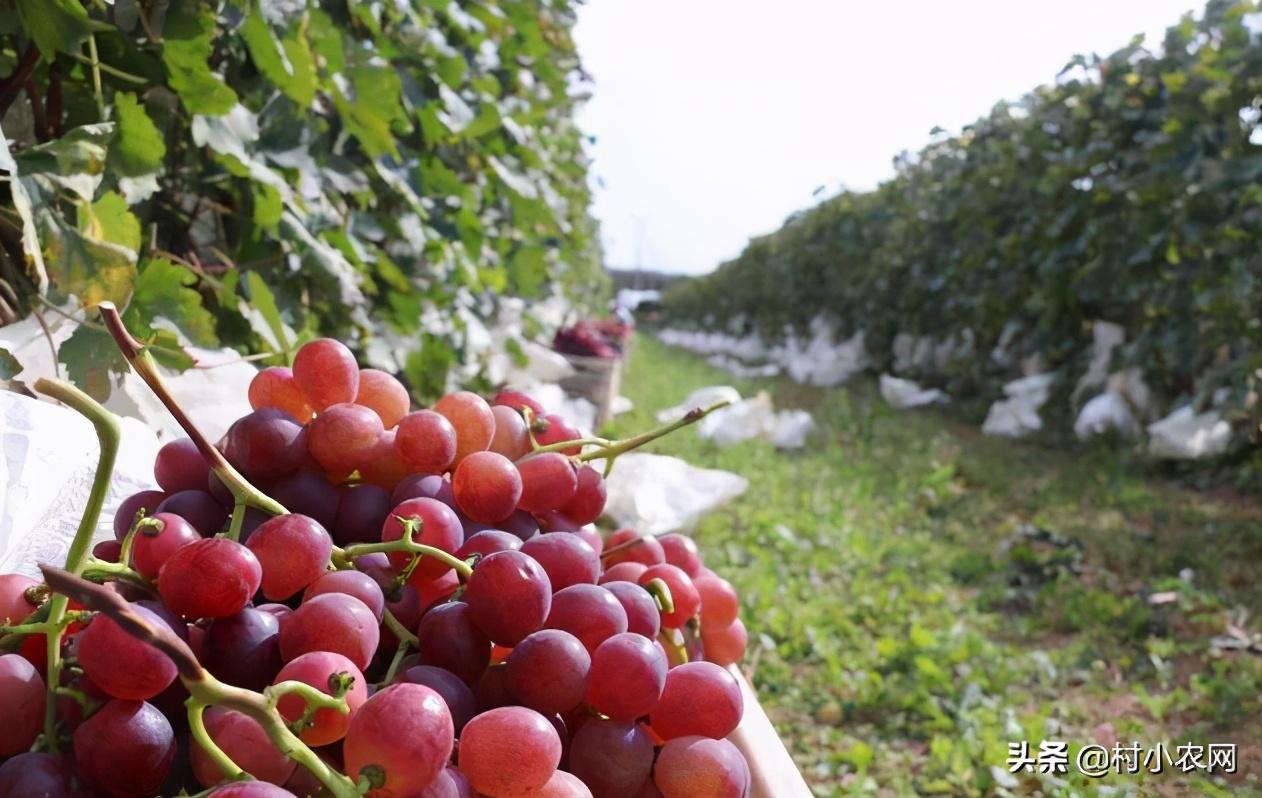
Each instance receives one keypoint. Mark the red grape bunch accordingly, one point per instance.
(436, 615)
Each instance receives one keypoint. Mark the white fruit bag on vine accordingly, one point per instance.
(904, 394)
(1188, 435)
(656, 494)
(46, 473)
(1019, 413)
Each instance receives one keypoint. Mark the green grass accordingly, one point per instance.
(918, 596)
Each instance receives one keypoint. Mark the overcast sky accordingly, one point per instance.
(716, 119)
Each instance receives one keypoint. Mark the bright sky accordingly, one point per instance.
(716, 119)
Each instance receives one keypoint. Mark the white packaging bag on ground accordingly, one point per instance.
(1188, 435)
(656, 494)
(903, 394)
(702, 397)
(791, 429)
(1107, 411)
(46, 473)
(741, 421)
(1019, 414)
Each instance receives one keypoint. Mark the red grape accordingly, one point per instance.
(548, 671)
(472, 420)
(548, 481)
(487, 487)
(275, 387)
(265, 445)
(326, 372)
(558, 430)
(105, 551)
(250, 789)
(449, 639)
(433, 591)
(511, 438)
(623, 572)
(327, 724)
(381, 465)
(362, 511)
(613, 758)
(521, 524)
(509, 596)
(440, 528)
(244, 649)
(698, 767)
(352, 583)
(125, 516)
(564, 785)
(426, 442)
(333, 622)
(384, 395)
(700, 698)
(681, 552)
(15, 604)
(424, 486)
(565, 558)
(682, 592)
(293, 551)
(647, 549)
(22, 697)
(589, 612)
(122, 665)
(724, 645)
(509, 751)
(459, 698)
(488, 542)
(209, 578)
(180, 466)
(589, 497)
(157, 539)
(591, 536)
(643, 616)
(308, 493)
(125, 749)
(517, 401)
(627, 676)
(450, 783)
(400, 739)
(245, 742)
(342, 437)
(34, 774)
(197, 507)
(719, 602)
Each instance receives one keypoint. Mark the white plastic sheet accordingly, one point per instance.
(656, 494)
(46, 473)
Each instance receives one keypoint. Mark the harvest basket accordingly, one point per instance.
(772, 771)
(596, 379)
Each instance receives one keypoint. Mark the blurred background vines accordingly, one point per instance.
(253, 173)
(1130, 190)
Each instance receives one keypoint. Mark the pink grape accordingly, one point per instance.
(488, 542)
(381, 465)
(457, 695)
(15, 605)
(384, 395)
(316, 668)
(472, 419)
(627, 676)
(724, 645)
(400, 738)
(440, 528)
(326, 372)
(589, 497)
(698, 767)
(293, 551)
(548, 481)
(547, 671)
(245, 742)
(125, 749)
(719, 602)
(275, 388)
(643, 616)
(157, 539)
(250, 789)
(487, 487)
(449, 639)
(558, 430)
(509, 751)
(681, 552)
(333, 622)
(647, 549)
(564, 785)
(511, 438)
(509, 596)
(589, 612)
(565, 558)
(613, 758)
(120, 664)
(342, 437)
(700, 698)
(426, 442)
(180, 466)
(433, 591)
(450, 783)
(125, 516)
(624, 572)
(209, 578)
(518, 401)
(22, 698)
(352, 583)
(424, 486)
(682, 592)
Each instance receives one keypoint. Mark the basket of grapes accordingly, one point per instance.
(346, 596)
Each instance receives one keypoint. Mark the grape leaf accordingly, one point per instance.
(108, 219)
(55, 25)
(90, 356)
(137, 148)
(372, 107)
(164, 289)
(287, 64)
(9, 365)
(263, 301)
(95, 270)
(186, 50)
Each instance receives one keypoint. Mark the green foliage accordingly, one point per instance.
(253, 174)
(1128, 191)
